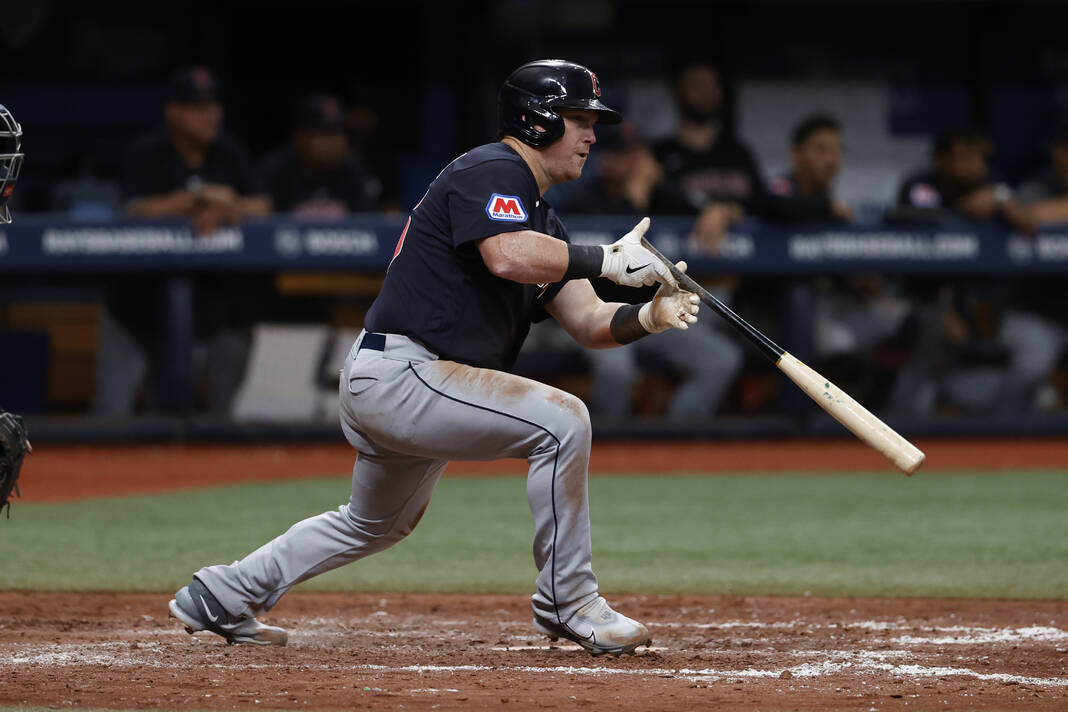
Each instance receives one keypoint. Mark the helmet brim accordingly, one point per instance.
(605, 114)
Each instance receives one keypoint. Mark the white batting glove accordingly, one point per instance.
(626, 262)
(671, 308)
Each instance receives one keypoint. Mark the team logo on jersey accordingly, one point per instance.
(596, 84)
(508, 208)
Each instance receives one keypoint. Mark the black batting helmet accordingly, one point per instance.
(531, 95)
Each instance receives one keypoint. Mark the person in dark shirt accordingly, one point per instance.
(976, 350)
(855, 312)
(1046, 195)
(705, 163)
(804, 194)
(188, 168)
(961, 183)
(316, 175)
(191, 167)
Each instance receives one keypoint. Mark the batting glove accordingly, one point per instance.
(671, 308)
(626, 262)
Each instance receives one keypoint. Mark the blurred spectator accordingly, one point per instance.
(192, 167)
(856, 312)
(1046, 195)
(716, 174)
(804, 194)
(974, 352)
(626, 179)
(316, 175)
(960, 182)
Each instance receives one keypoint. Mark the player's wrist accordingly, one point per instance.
(584, 261)
(626, 325)
(648, 321)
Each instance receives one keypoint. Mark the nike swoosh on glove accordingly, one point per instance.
(627, 263)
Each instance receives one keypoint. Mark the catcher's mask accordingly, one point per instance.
(10, 159)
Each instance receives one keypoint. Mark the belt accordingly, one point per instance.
(375, 342)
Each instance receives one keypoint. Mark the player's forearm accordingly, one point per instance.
(526, 256)
(597, 331)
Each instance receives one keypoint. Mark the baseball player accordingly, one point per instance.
(481, 256)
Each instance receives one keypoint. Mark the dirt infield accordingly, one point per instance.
(54, 474)
(469, 652)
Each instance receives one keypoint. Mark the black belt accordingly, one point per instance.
(375, 342)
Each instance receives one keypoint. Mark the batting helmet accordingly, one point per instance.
(531, 95)
(10, 159)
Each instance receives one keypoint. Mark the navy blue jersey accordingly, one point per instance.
(438, 290)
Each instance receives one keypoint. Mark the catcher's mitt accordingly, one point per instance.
(14, 445)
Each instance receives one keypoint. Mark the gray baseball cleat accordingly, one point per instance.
(598, 629)
(194, 606)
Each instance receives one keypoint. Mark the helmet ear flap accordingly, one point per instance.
(521, 115)
(547, 119)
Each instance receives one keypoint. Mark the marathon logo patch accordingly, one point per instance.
(508, 208)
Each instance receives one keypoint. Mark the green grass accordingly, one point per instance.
(960, 535)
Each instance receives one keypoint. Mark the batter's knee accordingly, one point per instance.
(571, 424)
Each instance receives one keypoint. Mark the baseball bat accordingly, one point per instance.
(858, 419)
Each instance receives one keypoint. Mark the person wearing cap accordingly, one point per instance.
(191, 167)
(315, 174)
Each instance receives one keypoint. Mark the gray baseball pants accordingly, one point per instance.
(408, 414)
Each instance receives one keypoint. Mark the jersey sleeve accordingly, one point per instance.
(490, 198)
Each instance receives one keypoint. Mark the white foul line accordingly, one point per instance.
(102, 654)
